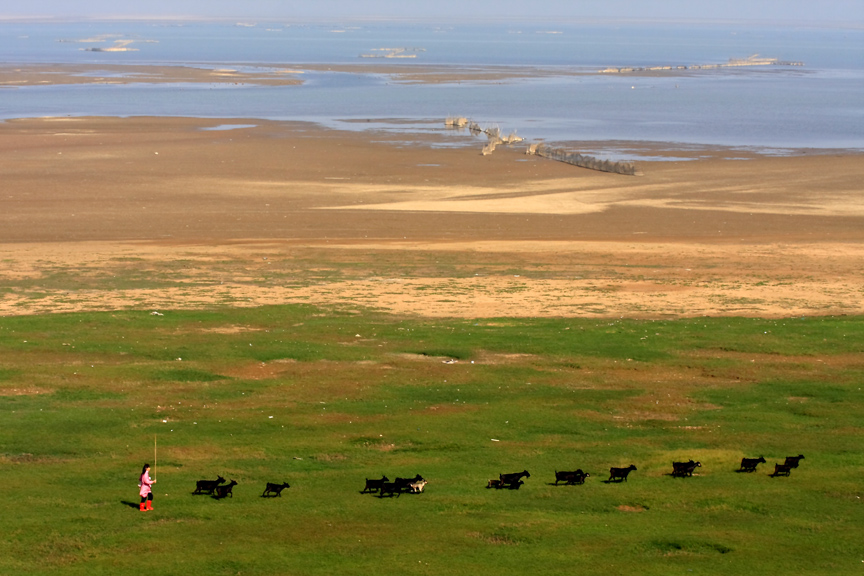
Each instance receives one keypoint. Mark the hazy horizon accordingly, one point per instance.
(849, 13)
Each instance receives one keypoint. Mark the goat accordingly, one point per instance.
(404, 483)
(417, 487)
(499, 484)
(781, 470)
(202, 486)
(749, 464)
(390, 488)
(374, 485)
(682, 469)
(274, 489)
(514, 477)
(792, 461)
(618, 474)
(576, 477)
(225, 490)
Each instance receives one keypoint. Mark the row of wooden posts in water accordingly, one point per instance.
(496, 138)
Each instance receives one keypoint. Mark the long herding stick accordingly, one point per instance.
(154, 456)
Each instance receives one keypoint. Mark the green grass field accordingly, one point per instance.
(324, 398)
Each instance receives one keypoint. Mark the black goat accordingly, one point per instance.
(681, 469)
(225, 490)
(373, 485)
(513, 477)
(618, 474)
(275, 489)
(749, 464)
(781, 470)
(390, 488)
(792, 461)
(404, 483)
(499, 484)
(202, 486)
(575, 477)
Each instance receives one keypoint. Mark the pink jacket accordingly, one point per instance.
(144, 482)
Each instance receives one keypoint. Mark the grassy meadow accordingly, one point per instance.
(323, 398)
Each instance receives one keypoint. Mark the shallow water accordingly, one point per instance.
(489, 44)
(224, 127)
(820, 105)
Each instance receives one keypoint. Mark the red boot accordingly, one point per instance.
(149, 505)
(141, 507)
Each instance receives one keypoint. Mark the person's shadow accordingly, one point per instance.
(130, 504)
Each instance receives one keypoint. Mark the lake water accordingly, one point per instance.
(820, 105)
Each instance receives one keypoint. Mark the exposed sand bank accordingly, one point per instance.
(64, 74)
(12, 75)
(104, 213)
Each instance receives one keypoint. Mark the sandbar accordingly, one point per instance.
(69, 74)
(286, 74)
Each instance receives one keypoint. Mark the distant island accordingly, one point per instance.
(120, 44)
(754, 60)
(394, 53)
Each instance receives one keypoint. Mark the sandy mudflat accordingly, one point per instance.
(50, 75)
(12, 75)
(143, 213)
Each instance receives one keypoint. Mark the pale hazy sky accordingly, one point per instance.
(849, 12)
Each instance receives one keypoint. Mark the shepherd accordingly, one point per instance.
(144, 491)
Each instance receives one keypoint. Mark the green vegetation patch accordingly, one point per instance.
(7, 374)
(325, 398)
